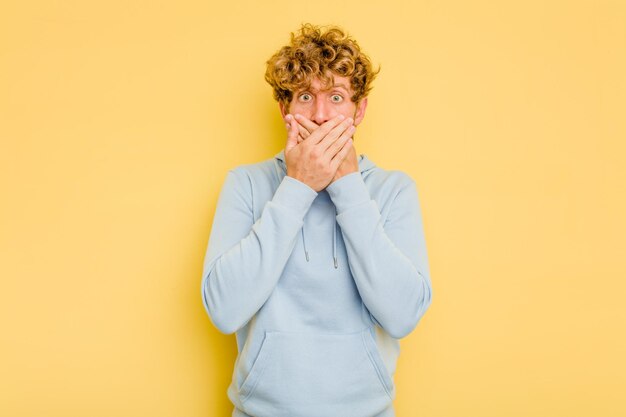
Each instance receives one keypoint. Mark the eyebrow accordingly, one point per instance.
(334, 86)
(342, 86)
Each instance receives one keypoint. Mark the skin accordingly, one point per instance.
(320, 124)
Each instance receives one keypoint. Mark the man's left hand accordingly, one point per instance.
(350, 162)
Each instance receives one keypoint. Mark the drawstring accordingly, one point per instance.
(281, 170)
(306, 253)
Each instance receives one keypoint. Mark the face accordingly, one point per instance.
(321, 105)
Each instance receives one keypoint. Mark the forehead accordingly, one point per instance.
(336, 82)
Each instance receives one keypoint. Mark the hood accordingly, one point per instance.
(365, 165)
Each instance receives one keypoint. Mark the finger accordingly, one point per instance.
(321, 132)
(341, 155)
(292, 134)
(335, 133)
(308, 124)
(302, 131)
(288, 119)
(337, 145)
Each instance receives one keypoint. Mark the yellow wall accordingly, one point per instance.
(119, 120)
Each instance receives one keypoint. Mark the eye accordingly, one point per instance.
(305, 97)
(336, 98)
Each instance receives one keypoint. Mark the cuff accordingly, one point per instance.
(348, 191)
(294, 194)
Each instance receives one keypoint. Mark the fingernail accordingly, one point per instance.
(350, 120)
(298, 116)
(288, 117)
(341, 117)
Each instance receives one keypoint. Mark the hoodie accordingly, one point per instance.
(318, 286)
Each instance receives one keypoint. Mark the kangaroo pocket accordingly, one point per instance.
(317, 374)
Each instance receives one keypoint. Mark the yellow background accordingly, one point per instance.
(119, 120)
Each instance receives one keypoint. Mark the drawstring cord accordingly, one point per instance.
(306, 252)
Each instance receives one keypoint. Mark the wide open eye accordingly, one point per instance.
(305, 97)
(336, 98)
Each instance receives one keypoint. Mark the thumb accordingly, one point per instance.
(292, 133)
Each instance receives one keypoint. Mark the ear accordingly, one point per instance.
(283, 111)
(359, 114)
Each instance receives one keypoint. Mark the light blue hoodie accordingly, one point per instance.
(318, 286)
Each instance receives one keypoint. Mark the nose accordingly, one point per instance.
(321, 112)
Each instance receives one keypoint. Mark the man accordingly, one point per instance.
(317, 257)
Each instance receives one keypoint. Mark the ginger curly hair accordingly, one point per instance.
(319, 52)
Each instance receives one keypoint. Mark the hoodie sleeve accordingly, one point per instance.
(388, 261)
(244, 261)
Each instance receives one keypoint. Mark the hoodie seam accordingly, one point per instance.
(378, 371)
(251, 196)
(410, 183)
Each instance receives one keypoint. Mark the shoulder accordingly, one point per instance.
(392, 181)
(255, 169)
(258, 180)
(249, 173)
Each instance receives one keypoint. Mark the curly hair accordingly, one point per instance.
(318, 53)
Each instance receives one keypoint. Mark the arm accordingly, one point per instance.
(388, 262)
(243, 260)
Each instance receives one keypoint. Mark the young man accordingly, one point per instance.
(317, 257)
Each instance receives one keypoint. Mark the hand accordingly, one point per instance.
(314, 160)
(349, 164)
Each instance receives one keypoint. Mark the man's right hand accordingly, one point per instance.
(315, 160)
